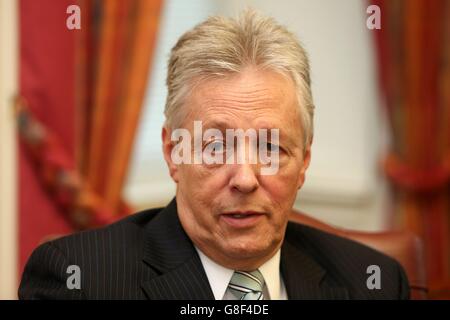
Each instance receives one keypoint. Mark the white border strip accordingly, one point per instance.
(8, 157)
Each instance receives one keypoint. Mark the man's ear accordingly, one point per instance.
(167, 151)
(305, 164)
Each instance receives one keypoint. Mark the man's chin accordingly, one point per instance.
(245, 251)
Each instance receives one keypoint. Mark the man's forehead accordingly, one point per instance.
(268, 110)
(252, 88)
(223, 123)
(265, 100)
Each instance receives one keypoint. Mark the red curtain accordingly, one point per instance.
(81, 94)
(47, 80)
(414, 61)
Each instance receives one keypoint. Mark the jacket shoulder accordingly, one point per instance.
(111, 252)
(351, 263)
(126, 230)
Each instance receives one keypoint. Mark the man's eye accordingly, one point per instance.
(217, 146)
(273, 147)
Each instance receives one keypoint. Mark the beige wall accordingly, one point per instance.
(8, 197)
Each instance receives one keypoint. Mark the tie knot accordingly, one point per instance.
(247, 285)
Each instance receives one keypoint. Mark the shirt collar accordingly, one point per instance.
(219, 277)
(271, 273)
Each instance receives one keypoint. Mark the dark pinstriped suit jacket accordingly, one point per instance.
(148, 255)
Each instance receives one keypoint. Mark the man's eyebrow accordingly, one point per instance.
(223, 125)
(216, 124)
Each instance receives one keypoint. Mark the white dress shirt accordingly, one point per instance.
(219, 277)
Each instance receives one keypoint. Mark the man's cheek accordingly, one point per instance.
(277, 193)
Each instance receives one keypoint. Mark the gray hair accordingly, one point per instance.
(220, 46)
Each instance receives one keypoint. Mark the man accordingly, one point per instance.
(226, 233)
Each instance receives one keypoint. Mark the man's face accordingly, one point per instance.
(231, 212)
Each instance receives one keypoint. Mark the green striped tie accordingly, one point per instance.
(247, 285)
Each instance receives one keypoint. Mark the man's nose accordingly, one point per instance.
(244, 178)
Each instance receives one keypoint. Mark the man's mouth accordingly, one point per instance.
(239, 216)
(242, 219)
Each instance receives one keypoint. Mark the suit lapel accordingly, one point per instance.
(305, 278)
(170, 252)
